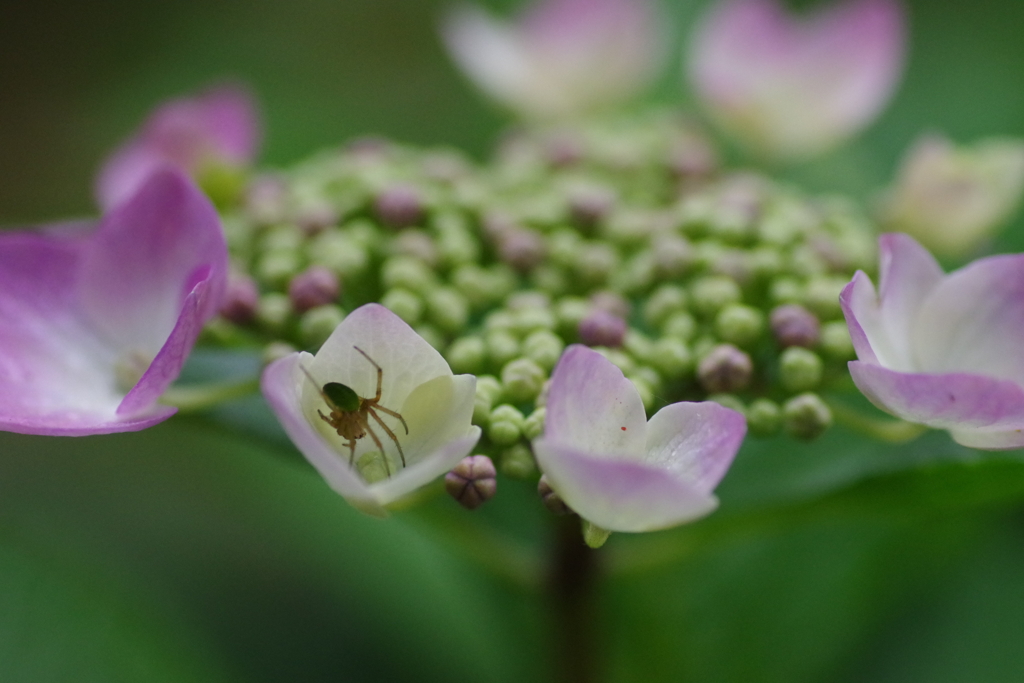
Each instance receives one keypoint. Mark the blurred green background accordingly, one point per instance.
(196, 551)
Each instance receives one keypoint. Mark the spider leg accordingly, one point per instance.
(351, 452)
(380, 372)
(392, 414)
(324, 417)
(387, 429)
(383, 455)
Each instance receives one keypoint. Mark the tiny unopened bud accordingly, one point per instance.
(472, 482)
(488, 392)
(680, 326)
(569, 313)
(673, 255)
(612, 302)
(275, 351)
(794, 325)
(521, 380)
(266, 199)
(588, 205)
(505, 425)
(544, 348)
(517, 462)
(835, 340)
(467, 355)
(764, 418)
(739, 324)
(317, 324)
(404, 304)
(521, 248)
(593, 535)
(724, 369)
(407, 272)
(316, 216)
(601, 328)
(552, 501)
(822, 295)
(595, 262)
(662, 303)
(730, 401)
(786, 290)
(241, 299)
(712, 293)
(534, 425)
(276, 268)
(315, 286)
(799, 369)
(399, 206)
(417, 244)
(806, 416)
(273, 311)
(448, 309)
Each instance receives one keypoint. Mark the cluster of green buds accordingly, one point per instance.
(698, 282)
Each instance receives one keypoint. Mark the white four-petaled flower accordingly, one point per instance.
(416, 382)
(616, 469)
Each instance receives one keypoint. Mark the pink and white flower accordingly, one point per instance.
(951, 198)
(620, 471)
(560, 57)
(218, 128)
(792, 87)
(95, 326)
(417, 383)
(942, 350)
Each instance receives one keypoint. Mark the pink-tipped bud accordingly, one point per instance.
(399, 206)
(314, 287)
(522, 248)
(794, 325)
(552, 501)
(725, 369)
(601, 328)
(472, 482)
(241, 298)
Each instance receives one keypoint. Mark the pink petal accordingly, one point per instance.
(619, 495)
(146, 257)
(974, 321)
(219, 126)
(696, 442)
(956, 401)
(794, 86)
(593, 407)
(881, 326)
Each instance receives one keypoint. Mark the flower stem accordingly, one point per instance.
(198, 397)
(890, 431)
(572, 583)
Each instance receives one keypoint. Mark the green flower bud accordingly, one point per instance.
(550, 279)
(835, 341)
(662, 303)
(805, 261)
(544, 348)
(569, 313)
(534, 425)
(505, 425)
(404, 304)
(274, 311)
(593, 535)
(739, 324)
(276, 351)
(467, 355)
(806, 416)
(712, 293)
(406, 272)
(317, 324)
(799, 369)
(522, 379)
(822, 296)
(764, 418)
(680, 326)
(786, 290)
(730, 401)
(500, 321)
(286, 237)
(534, 318)
(638, 345)
(595, 262)
(563, 248)
(488, 392)
(501, 347)
(517, 462)
(340, 253)
(636, 275)
(447, 309)
(724, 369)
(474, 283)
(277, 268)
(671, 357)
(457, 246)
(766, 262)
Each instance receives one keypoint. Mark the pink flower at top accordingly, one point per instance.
(95, 326)
(218, 128)
(560, 57)
(942, 350)
(620, 471)
(792, 87)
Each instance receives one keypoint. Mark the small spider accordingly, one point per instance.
(349, 413)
